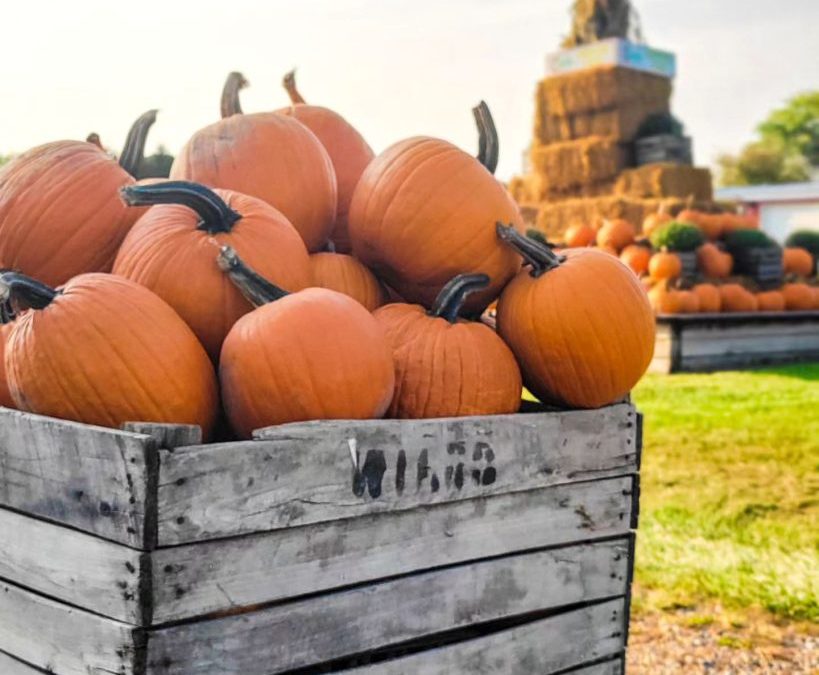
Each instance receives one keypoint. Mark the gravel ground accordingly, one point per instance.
(680, 642)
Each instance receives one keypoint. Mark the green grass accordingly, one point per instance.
(730, 491)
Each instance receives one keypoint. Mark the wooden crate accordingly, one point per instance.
(468, 545)
(709, 342)
(763, 265)
(663, 148)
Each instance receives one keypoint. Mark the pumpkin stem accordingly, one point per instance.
(134, 150)
(258, 290)
(488, 146)
(24, 291)
(540, 257)
(94, 139)
(450, 300)
(289, 83)
(230, 105)
(216, 215)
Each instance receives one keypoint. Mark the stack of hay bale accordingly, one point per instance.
(581, 161)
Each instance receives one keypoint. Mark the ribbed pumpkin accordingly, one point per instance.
(424, 211)
(105, 350)
(266, 155)
(709, 297)
(664, 265)
(770, 301)
(60, 211)
(348, 152)
(616, 234)
(798, 297)
(172, 250)
(637, 258)
(5, 395)
(798, 261)
(580, 326)
(343, 273)
(735, 298)
(654, 221)
(446, 366)
(315, 354)
(665, 300)
(689, 302)
(713, 263)
(579, 235)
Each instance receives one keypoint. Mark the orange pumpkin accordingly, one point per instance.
(815, 291)
(347, 149)
(609, 250)
(798, 297)
(266, 155)
(665, 300)
(105, 350)
(798, 261)
(714, 263)
(315, 354)
(770, 301)
(616, 234)
(689, 302)
(424, 211)
(664, 266)
(637, 258)
(60, 214)
(580, 325)
(709, 297)
(5, 395)
(735, 298)
(654, 221)
(172, 250)
(345, 274)
(579, 235)
(446, 366)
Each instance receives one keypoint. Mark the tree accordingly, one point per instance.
(157, 165)
(796, 126)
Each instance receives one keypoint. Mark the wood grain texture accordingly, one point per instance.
(322, 471)
(550, 645)
(12, 666)
(337, 625)
(168, 436)
(221, 575)
(62, 639)
(91, 478)
(78, 568)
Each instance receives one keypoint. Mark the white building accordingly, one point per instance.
(782, 209)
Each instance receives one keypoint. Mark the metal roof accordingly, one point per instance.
(786, 192)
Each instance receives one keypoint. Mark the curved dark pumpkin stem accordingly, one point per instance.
(94, 139)
(540, 257)
(216, 216)
(488, 145)
(18, 290)
(289, 82)
(451, 299)
(134, 151)
(258, 290)
(230, 105)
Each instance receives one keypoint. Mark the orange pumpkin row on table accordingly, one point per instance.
(714, 263)
(798, 261)
(716, 225)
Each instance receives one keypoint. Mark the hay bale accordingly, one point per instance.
(563, 166)
(620, 124)
(666, 180)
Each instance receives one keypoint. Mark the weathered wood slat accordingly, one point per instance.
(305, 473)
(330, 627)
(167, 436)
(62, 639)
(12, 666)
(197, 579)
(90, 478)
(547, 646)
(81, 569)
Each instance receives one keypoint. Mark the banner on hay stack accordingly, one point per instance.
(613, 52)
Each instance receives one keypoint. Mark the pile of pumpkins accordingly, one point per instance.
(283, 272)
(714, 289)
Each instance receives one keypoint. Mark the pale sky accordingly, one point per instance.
(394, 68)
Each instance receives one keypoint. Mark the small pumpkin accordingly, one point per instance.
(343, 273)
(798, 297)
(709, 297)
(172, 248)
(616, 234)
(348, 151)
(266, 155)
(665, 300)
(314, 354)
(713, 263)
(579, 235)
(654, 221)
(446, 366)
(637, 258)
(580, 325)
(105, 350)
(424, 211)
(689, 302)
(60, 213)
(798, 261)
(770, 301)
(664, 265)
(736, 298)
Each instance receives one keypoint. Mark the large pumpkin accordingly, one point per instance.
(60, 211)
(446, 366)
(266, 155)
(736, 298)
(424, 211)
(105, 350)
(315, 354)
(581, 325)
(343, 273)
(770, 301)
(713, 263)
(798, 261)
(798, 297)
(5, 330)
(172, 250)
(349, 153)
(709, 297)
